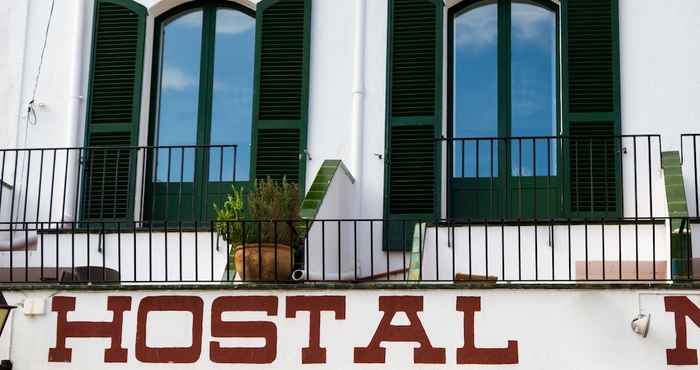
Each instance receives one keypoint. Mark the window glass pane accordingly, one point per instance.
(179, 97)
(232, 103)
(533, 89)
(475, 111)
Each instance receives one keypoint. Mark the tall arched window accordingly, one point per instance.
(201, 110)
(504, 102)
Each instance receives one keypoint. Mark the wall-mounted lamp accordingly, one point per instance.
(640, 324)
(4, 312)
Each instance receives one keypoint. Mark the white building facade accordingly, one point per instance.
(438, 145)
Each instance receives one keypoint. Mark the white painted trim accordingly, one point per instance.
(163, 6)
(358, 89)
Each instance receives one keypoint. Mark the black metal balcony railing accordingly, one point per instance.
(547, 250)
(529, 209)
(553, 176)
(690, 157)
(154, 183)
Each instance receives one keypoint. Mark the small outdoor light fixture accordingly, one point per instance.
(640, 324)
(4, 312)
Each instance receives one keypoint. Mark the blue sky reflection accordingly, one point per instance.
(232, 95)
(533, 89)
(476, 90)
(232, 104)
(179, 92)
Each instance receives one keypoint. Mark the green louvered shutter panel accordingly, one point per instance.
(414, 87)
(281, 89)
(113, 110)
(592, 106)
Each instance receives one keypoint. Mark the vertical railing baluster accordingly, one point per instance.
(651, 200)
(354, 227)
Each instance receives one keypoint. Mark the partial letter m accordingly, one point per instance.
(682, 307)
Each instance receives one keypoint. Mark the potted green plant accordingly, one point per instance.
(259, 229)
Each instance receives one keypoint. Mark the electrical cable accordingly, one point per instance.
(30, 108)
(31, 111)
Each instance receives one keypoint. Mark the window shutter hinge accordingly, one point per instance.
(305, 153)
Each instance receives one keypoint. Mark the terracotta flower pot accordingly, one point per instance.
(258, 264)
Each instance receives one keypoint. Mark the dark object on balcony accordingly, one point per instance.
(460, 277)
(5, 365)
(89, 274)
(77, 274)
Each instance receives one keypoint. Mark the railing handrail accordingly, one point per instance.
(170, 256)
(120, 147)
(543, 137)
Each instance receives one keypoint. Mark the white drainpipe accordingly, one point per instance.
(358, 90)
(75, 112)
(25, 240)
(5, 244)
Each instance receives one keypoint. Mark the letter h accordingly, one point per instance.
(89, 329)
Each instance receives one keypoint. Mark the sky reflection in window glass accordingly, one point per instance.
(179, 96)
(476, 91)
(232, 104)
(533, 89)
(232, 95)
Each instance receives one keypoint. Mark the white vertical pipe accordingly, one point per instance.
(19, 242)
(14, 137)
(75, 116)
(358, 90)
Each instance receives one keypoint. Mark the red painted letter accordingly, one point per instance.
(314, 353)
(414, 332)
(682, 307)
(184, 355)
(469, 354)
(243, 329)
(89, 329)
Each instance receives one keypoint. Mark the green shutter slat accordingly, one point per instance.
(591, 55)
(593, 170)
(413, 103)
(414, 45)
(414, 85)
(108, 176)
(282, 61)
(113, 109)
(412, 170)
(281, 95)
(278, 154)
(592, 74)
(115, 61)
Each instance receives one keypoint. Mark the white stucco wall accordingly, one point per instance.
(660, 89)
(660, 81)
(660, 78)
(552, 329)
(546, 252)
(138, 257)
(12, 28)
(26, 26)
(325, 257)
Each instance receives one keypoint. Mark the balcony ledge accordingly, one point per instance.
(588, 286)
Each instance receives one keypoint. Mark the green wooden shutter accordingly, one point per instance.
(414, 87)
(280, 111)
(592, 106)
(113, 109)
